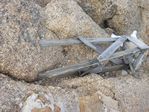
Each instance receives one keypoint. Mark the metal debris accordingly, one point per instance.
(126, 57)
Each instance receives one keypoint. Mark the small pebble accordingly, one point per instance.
(124, 72)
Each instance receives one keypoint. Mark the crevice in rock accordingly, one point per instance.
(104, 24)
(107, 25)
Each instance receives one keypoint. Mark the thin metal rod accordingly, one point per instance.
(65, 42)
(138, 43)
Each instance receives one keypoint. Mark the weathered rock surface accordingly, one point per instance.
(123, 16)
(99, 10)
(127, 18)
(143, 4)
(21, 28)
(19, 96)
(24, 97)
(66, 19)
(132, 93)
(87, 94)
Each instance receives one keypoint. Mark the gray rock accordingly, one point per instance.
(123, 16)
(124, 73)
(99, 10)
(91, 94)
(20, 55)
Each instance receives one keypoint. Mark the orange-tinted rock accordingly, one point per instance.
(90, 103)
(57, 108)
(46, 109)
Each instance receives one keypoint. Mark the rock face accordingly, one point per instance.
(19, 96)
(145, 19)
(21, 28)
(87, 94)
(131, 94)
(66, 19)
(99, 10)
(127, 18)
(123, 16)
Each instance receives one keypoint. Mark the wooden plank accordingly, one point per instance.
(138, 43)
(114, 47)
(89, 44)
(65, 42)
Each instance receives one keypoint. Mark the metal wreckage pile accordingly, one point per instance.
(125, 52)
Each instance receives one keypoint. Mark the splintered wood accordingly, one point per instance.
(120, 56)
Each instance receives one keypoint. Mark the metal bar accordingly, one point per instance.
(121, 54)
(65, 42)
(98, 70)
(105, 69)
(138, 43)
(113, 68)
(110, 50)
(70, 69)
(139, 61)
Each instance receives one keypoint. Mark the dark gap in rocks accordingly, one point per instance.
(105, 24)
(56, 81)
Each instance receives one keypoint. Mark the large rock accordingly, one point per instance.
(143, 4)
(132, 93)
(123, 16)
(19, 96)
(25, 97)
(127, 17)
(87, 94)
(67, 20)
(21, 27)
(99, 10)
